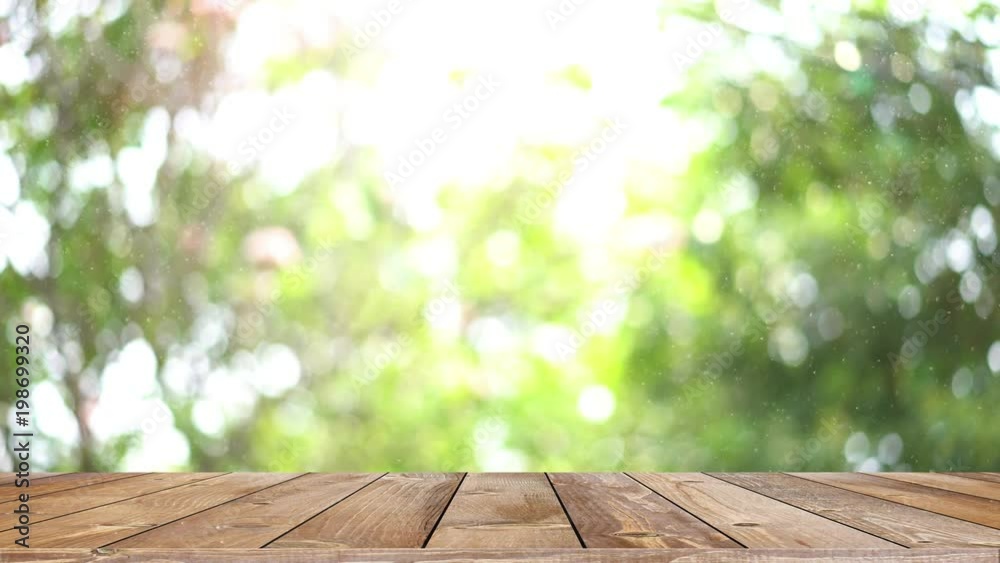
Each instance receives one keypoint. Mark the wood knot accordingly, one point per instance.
(636, 534)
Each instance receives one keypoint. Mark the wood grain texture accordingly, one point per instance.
(991, 477)
(954, 483)
(894, 522)
(964, 507)
(512, 517)
(63, 482)
(399, 510)
(70, 501)
(613, 510)
(106, 524)
(254, 520)
(504, 510)
(534, 555)
(753, 519)
(8, 478)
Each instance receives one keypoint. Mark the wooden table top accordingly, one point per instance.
(505, 516)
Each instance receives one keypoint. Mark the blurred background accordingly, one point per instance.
(284, 235)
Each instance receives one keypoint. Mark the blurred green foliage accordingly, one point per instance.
(824, 298)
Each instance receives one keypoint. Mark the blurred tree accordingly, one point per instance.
(816, 291)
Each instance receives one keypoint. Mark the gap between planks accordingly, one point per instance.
(255, 519)
(562, 505)
(447, 505)
(754, 520)
(182, 479)
(64, 482)
(945, 482)
(307, 520)
(969, 508)
(399, 510)
(905, 525)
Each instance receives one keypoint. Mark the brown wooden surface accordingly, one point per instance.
(991, 477)
(63, 482)
(504, 510)
(507, 516)
(614, 510)
(8, 477)
(112, 522)
(66, 502)
(897, 523)
(753, 519)
(256, 519)
(533, 555)
(954, 483)
(961, 506)
(398, 510)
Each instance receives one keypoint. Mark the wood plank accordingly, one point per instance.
(8, 478)
(991, 477)
(66, 502)
(753, 519)
(255, 520)
(106, 524)
(894, 522)
(64, 482)
(504, 510)
(964, 507)
(534, 555)
(398, 510)
(613, 510)
(954, 483)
